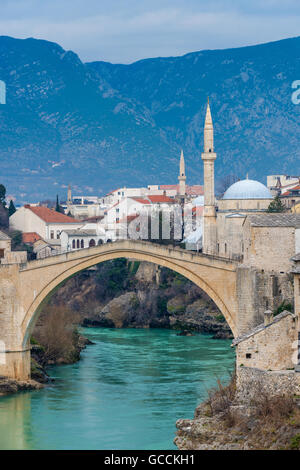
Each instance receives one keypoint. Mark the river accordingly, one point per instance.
(126, 392)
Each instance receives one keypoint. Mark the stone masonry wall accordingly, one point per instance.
(259, 290)
(251, 381)
(276, 255)
(272, 347)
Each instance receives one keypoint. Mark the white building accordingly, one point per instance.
(47, 223)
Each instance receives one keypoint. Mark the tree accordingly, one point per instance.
(3, 217)
(58, 207)
(11, 209)
(2, 195)
(276, 205)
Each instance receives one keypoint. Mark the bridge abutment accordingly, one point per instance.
(15, 364)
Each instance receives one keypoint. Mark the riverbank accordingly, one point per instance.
(224, 421)
(131, 294)
(40, 364)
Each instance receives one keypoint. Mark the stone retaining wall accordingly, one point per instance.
(251, 381)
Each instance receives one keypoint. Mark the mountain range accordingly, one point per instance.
(99, 126)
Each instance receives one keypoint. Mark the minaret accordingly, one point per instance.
(181, 177)
(208, 157)
(69, 199)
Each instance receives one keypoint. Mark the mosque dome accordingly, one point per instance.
(247, 189)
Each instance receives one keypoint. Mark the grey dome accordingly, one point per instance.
(247, 189)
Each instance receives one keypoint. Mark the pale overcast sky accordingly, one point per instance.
(127, 30)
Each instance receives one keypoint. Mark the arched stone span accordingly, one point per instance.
(37, 280)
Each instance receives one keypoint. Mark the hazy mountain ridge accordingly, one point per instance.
(100, 125)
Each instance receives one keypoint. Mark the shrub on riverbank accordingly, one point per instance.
(223, 422)
(57, 334)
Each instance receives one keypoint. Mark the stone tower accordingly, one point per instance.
(208, 157)
(181, 177)
(69, 199)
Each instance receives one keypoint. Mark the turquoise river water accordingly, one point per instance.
(126, 392)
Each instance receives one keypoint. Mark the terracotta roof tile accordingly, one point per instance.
(30, 237)
(141, 200)
(51, 216)
(162, 198)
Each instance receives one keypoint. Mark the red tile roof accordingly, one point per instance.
(30, 237)
(51, 216)
(163, 198)
(128, 218)
(141, 200)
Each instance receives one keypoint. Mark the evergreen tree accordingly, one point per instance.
(276, 205)
(11, 209)
(2, 195)
(58, 207)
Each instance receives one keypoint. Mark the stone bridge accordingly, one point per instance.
(25, 288)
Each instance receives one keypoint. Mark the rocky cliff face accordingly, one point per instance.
(124, 294)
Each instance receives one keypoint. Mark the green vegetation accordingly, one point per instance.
(220, 318)
(11, 208)
(113, 275)
(283, 306)
(58, 207)
(161, 306)
(133, 266)
(2, 195)
(276, 205)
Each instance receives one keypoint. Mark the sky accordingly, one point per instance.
(123, 31)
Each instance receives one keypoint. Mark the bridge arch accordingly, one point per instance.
(180, 261)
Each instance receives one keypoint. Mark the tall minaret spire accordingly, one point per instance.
(208, 131)
(208, 157)
(69, 199)
(181, 177)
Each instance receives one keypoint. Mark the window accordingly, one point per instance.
(248, 356)
(225, 247)
(73, 244)
(52, 234)
(92, 242)
(82, 244)
(2, 253)
(78, 245)
(58, 234)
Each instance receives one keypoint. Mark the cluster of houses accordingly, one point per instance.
(91, 221)
(287, 188)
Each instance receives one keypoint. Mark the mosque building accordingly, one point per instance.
(224, 218)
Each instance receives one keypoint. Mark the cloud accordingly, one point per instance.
(121, 31)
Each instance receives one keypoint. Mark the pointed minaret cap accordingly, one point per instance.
(182, 165)
(208, 118)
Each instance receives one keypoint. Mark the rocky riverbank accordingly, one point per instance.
(10, 386)
(227, 422)
(130, 294)
(39, 363)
